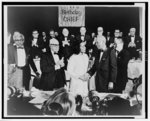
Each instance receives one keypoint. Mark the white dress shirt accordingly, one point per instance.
(132, 39)
(21, 57)
(101, 54)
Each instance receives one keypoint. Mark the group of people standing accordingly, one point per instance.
(81, 56)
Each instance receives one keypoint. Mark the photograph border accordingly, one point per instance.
(77, 3)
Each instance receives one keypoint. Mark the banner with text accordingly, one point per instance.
(71, 16)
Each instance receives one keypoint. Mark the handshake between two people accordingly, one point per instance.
(85, 77)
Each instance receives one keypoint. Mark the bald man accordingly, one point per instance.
(105, 67)
(53, 76)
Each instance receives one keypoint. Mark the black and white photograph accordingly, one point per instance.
(74, 60)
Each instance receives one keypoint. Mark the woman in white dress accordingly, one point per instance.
(77, 67)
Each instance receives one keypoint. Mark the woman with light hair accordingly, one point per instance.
(77, 67)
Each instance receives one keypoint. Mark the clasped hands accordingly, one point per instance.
(61, 62)
(131, 44)
(65, 43)
(85, 77)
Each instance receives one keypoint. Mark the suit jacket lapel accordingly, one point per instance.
(15, 54)
(104, 56)
(51, 56)
(26, 53)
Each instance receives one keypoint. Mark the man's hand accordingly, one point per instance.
(131, 44)
(44, 50)
(65, 43)
(110, 85)
(61, 62)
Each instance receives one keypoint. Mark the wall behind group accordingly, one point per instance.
(25, 19)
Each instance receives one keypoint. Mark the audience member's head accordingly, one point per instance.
(35, 34)
(100, 30)
(82, 30)
(15, 35)
(56, 34)
(108, 34)
(65, 32)
(43, 34)
(64, 98)
(132, 31)
(54, 45)
(52, 33)
(117, 33)
(119, 44)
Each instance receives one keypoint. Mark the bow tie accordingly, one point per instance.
(55, 53)
(101, 50)
(82, 35)
(21, 47)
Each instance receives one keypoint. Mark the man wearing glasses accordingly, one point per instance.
(112, 40)
(52, 68)
(19, 59)
(35, 44)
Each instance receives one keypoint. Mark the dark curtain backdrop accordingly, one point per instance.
(25, 19)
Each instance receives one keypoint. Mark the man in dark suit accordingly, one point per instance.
(43, 43)
(83, 37)
(19, 59)
(105, 67)
(111, 42)
(66, 45)
(53, 75)
(133, 44)
(35, 44)
(122, 65)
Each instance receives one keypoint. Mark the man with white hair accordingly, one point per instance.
(133, 44)
(105, 67)
(53, 75)
(19, 59)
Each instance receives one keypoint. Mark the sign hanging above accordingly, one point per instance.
(71, 16)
